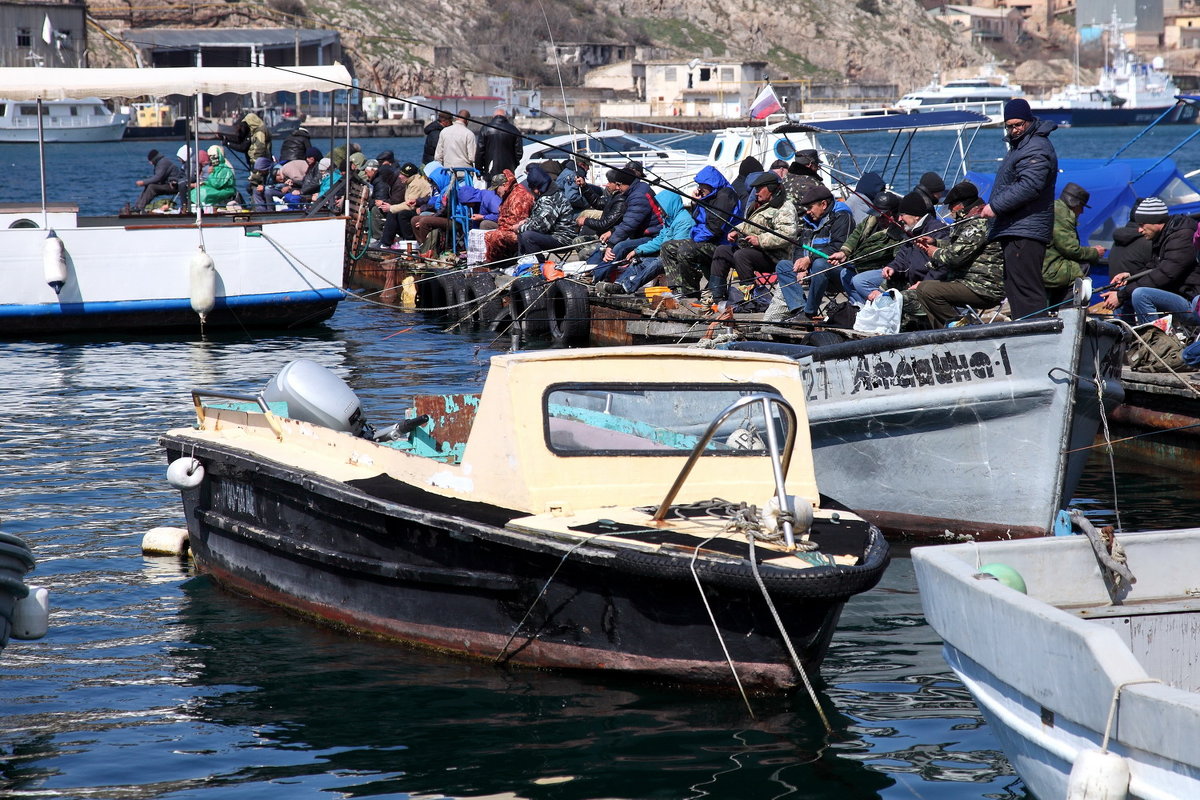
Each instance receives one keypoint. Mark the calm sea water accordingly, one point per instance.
(154, 683)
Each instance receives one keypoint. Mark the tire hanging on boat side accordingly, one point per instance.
(527, 301)
(431, 292)
(567, 312)
(477, 286)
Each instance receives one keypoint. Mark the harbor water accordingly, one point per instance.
(155, 683)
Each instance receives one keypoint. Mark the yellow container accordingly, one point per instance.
(655, 291)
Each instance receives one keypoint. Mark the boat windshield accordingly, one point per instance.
(654, 420)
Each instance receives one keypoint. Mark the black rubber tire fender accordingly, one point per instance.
(822, 338)
(480, 285)
(527, 301)
(454, 285)
(431, 292)
(567, 311)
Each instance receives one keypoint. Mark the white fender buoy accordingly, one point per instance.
(31, 614)
(165, 541)
(203, 284)
(801, 509)
(1098, 775)
(185, 473)
(408, 292)
(54, 262)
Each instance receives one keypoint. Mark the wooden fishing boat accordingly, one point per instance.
(1083, 665)
(537, 523)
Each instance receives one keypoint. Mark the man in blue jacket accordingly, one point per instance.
(715, 208)
(1022, 205)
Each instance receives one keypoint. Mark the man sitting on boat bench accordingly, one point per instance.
(1171, 280)
(973, 266)
(165, 180)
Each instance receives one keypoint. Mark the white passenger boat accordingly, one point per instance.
(1087, 677)
(84, 120)
(985, 94)
(62, 272)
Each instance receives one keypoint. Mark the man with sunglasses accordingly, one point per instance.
(1022, 205)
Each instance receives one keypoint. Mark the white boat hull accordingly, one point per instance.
(1044, 666)
(55, 134)
(129, 274)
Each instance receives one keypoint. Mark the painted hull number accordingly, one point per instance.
(877, 373)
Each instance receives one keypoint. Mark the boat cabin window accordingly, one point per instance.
(31, 111)
(784, 149)
(3, 109)
(653, 419)
(718, 148)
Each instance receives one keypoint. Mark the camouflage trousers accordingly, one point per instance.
(685, 262)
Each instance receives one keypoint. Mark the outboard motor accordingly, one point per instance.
(314, 394)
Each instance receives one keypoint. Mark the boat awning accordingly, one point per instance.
(886, 122)
(53, 83)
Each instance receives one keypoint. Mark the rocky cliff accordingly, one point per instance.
(434, 46)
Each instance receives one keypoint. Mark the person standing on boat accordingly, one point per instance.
(973, 264)
(433, 134)
(1022, 207)
(1172, 279)
(1065, 256)
(456, 146)
(165, 180)
(500, 146)
(715, 208)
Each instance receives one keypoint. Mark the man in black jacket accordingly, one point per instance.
(1022, 204)
(499, 146)
(1171, 280)
(433, 132)
(165, 180)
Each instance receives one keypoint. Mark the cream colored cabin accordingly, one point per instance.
(533, 447)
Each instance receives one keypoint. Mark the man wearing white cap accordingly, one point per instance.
(1171, 280)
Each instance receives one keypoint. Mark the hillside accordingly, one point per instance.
(391, 43)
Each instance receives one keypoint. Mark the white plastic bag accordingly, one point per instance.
(881, 315)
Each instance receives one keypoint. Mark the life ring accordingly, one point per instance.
(567, 312)
(527, 301)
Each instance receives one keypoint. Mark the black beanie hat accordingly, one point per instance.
(1018, 108)
(153, 154)
(914, 204)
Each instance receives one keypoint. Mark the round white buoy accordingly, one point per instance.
(54, 262)
(31, 614)
(203, 284)
(1098, 775)
(165, 542)
(185, 473)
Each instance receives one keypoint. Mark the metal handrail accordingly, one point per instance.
(779, 465)
(242, 398)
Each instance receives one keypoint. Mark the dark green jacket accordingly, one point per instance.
(1064, 253)
(868, 246)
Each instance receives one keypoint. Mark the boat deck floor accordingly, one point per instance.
(838, 543)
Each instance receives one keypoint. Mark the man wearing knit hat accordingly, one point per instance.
(165, 180)
(1171, 280)
(1022, 205)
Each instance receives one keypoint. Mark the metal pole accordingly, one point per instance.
(42, 163)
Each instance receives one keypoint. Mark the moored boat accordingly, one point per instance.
(536, 523)
(61, 272)
(86, 119)
(1080, 655)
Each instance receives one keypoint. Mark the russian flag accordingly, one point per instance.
(765, 104)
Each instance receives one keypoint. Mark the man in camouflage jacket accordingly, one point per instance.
(974, 265)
